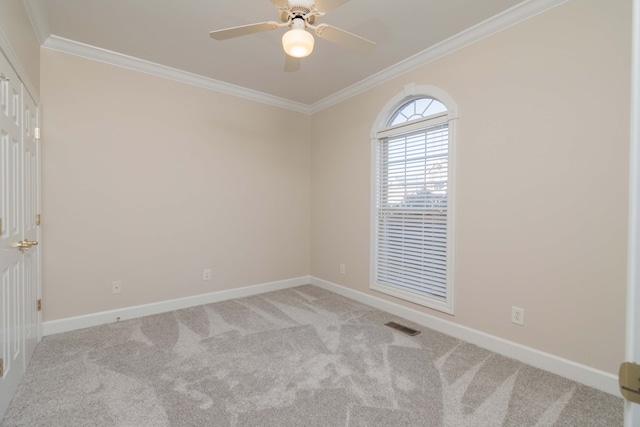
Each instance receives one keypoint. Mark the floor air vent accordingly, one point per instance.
(402, 328)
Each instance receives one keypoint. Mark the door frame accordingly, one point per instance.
(632, 410)
(39, 210)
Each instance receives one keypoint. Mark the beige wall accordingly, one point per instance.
(150, 181)
(16, 26)
(542, 152)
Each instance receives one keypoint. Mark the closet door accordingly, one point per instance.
(12, 299)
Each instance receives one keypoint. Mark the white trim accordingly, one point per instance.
(632, 411)
(114, 58)
(94, 319)
(39, 211)
(38, 17)
(425, 301)
(11, 55)
(408, 127)
(566, 368)
(493, 25)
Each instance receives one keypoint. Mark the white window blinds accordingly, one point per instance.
(411, 211)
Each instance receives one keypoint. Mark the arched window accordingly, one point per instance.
(412, 233)
(416, 109)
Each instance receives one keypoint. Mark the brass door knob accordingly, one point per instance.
(25, 244)
(21, 245)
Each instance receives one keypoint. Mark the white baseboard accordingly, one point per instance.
(566, 368)
(95, 319)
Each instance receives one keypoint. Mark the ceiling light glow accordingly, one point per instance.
(297, 43)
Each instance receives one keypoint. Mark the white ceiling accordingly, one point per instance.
(175, 33)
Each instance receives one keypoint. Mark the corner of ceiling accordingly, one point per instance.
(508, 18)
(75, 48)
(7, 49)
(495, 24)
(38, 17)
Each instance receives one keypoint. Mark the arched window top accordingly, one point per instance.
(414, 103)
(416, 109)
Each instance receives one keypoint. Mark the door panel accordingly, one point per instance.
(11, 259)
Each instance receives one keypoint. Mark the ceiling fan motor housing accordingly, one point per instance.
(304, 3)
(299, 9)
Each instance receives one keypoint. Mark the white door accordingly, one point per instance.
(11, 266)
(20, 321)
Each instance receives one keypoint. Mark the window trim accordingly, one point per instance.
(381, 130)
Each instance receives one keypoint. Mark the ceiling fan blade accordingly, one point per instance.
(243, 30)
(280, 3)
(345, 38)
(327, 5)
(291, 64)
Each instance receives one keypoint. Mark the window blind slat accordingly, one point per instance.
(412, 198)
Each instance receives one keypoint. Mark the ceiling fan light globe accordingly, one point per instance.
(299, 52)
(297, 43)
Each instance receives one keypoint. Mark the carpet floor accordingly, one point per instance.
(296, 357)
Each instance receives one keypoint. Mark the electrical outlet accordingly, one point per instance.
(517, 315)
(206, 274)
(116, 287)
(343, 269)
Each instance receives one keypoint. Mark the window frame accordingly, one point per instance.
(380, 131)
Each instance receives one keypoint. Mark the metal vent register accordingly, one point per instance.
(402, 328)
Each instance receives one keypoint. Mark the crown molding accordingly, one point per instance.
(495, 24)
(38, 17)
(113, 58)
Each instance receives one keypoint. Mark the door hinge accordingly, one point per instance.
(629, 378)
(36, 133)
(38, 219)
(39, 304)
(1, 368)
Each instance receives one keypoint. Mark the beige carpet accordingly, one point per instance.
(296, 357)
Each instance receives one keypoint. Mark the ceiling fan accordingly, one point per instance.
(298, 16)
